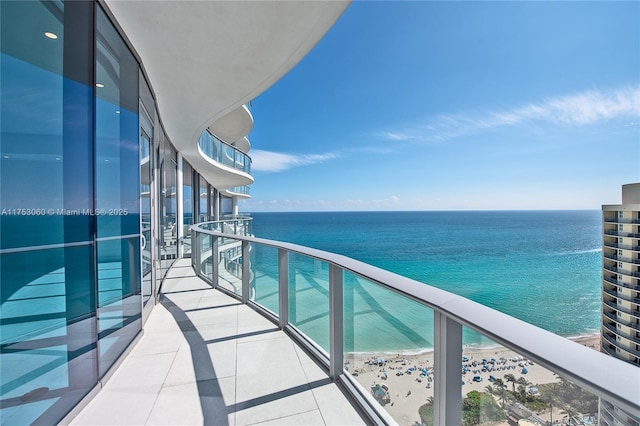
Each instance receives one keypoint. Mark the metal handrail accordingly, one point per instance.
(603, 375)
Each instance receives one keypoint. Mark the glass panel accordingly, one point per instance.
(169, 249)
(388, 343)
(501, 385)
(118, 186)
(48, 360)
(264, 267)
(230, 266)
(118, 298)
(204, 200)
(309, 298)
(145, 214)
(47, 308)
(206, 256)
(187, 202)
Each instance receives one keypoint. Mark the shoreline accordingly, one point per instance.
(472, 347)
(408, 389)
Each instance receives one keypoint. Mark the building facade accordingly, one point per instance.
(122, 123)
(621, 288)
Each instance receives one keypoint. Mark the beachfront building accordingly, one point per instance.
(621, 287)
(123, 152)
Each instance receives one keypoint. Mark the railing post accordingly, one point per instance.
(195, 252)
(283, 288)
(246, 270)
(336, 326)
(447, 408)
(215, 261)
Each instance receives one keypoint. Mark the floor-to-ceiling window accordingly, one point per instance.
(117, 178)
(146, 178)
(69, 201)
(47, 314)
(168, 203)
(204, 200)
(187, 202)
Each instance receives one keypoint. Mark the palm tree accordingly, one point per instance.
(511, 378)
(501, 389)
(572, 413)
(552, 399)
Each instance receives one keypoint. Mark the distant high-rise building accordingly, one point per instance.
(621, 288)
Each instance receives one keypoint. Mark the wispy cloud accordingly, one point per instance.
(580, 109)
(269, 161)
(390, 203)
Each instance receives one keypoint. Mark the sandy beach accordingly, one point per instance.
(408, 391)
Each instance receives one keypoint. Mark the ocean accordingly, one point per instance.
(542, 267)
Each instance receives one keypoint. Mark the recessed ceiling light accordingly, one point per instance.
(58, 158)
(100, 85)
(51, 35)
(117, 111)
(6, 156)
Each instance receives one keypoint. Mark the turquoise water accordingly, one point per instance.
(539, 266)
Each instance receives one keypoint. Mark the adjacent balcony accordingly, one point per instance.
(223, 153)
(222, 163)
(245, 192)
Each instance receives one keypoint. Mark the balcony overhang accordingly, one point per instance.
(202, 67)
(221, 176)
(233, 126)
(243, 144)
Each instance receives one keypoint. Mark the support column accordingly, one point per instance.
(234, 206)
(283, 288)
(216, 204)
(246, 270)
(215, 261)
(336, 323)
(447, 408)
(180, 206)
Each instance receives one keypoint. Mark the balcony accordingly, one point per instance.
(618, 308)
(233, 125)
(612, 340)
(621, 246)
(222, 163)
(622, 234)
(619, 295)
(614, 281)
(622, 259)
(280, 297)
(205, 358)
(245, 192)
(620, 220)
(619, 320)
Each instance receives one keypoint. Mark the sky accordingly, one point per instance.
(455, 106)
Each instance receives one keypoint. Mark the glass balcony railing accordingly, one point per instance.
(224, 154)
(363, 324)
(245, 189)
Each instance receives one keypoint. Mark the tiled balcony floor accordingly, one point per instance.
(205, 358)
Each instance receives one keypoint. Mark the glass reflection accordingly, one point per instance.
(47, 294)
(264, 267)
(309, 297)
(187, 202)
(145, 214)
(169, 226)
(117, 186)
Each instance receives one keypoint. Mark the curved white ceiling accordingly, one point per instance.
(206, 58)
(233, 125)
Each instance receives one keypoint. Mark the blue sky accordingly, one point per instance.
(455, 106)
